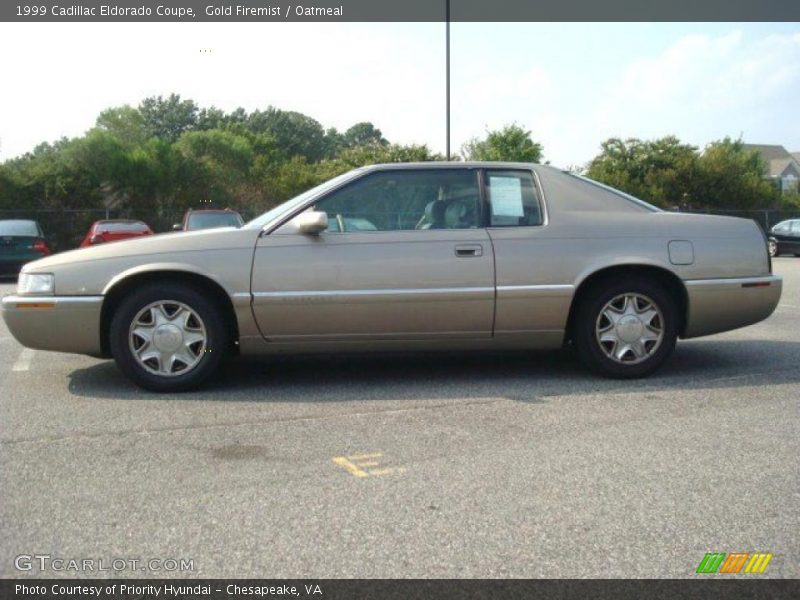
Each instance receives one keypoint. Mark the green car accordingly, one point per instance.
(21, 241)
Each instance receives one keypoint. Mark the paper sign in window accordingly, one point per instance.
(506, 196)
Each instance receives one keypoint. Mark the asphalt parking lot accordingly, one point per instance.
(468, 465)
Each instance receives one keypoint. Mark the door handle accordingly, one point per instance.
(467, 250)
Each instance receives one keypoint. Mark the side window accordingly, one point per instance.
(405, 200)
(796, 228)
(513, 200)
(782, 227)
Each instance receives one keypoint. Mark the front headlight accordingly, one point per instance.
(35, 283)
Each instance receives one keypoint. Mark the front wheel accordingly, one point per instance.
(168, 337)
(626, 328)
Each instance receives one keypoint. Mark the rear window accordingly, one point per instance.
(19, 227)
(120, 226)
(783, 227)
(572, 192)
(208, 220)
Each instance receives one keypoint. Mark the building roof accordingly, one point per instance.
(777, 157)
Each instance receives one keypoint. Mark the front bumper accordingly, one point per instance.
(717, 305)
(58, 323)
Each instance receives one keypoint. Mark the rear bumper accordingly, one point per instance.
(11, 268)
(58, 323)
(717, 305)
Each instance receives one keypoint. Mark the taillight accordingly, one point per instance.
(41, 246)
(96, 239)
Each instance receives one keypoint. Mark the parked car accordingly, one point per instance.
(441, 256)
(784, 238)
(102, 232)
(21, 241)
(208, 218)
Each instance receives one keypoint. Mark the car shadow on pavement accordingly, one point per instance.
(520, 376)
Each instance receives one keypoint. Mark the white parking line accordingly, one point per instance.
(24, 361)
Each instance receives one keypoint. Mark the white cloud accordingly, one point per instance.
(705, 87)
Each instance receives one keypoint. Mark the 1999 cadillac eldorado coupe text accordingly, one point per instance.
(411, 257)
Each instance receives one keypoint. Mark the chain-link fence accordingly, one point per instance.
(66, 228)
(767, 219)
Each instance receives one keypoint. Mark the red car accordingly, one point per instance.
(112, 231)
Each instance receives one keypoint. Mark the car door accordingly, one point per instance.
(405, 257)
(782, 232)
(793, 238)
(534, 289)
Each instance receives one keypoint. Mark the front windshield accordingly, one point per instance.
(273, 214)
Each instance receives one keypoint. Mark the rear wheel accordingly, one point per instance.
(772, 246)
(168, 337)
(626, 328)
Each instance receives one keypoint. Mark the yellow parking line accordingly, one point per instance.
(359, 465)
(379, 472)
(349, 467)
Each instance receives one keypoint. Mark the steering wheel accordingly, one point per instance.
(340, 222)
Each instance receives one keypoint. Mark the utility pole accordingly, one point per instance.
(447, 74)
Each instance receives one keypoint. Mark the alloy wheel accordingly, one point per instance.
(629, 328)
(167, 338)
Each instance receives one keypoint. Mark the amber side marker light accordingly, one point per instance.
(36, 305)
(756, 284)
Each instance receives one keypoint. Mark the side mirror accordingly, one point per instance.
(177, 227)
(311, 222)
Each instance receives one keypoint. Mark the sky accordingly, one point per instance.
(572, 85)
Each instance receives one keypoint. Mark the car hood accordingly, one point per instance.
(167, 243)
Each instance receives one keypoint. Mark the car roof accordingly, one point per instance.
(211, 210)
(112, 221)
(455, 164)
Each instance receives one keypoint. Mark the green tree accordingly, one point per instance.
(125, 123)
(730, 176)
(363, 134)
(218, 162)
(391, 153)
(167, 118)
(155, 160)
(661, 171)
(294, 133)
(511, 143)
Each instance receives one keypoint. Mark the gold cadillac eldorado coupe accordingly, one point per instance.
(407, 257)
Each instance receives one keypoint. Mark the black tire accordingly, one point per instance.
(594, 300)
(216, 345)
